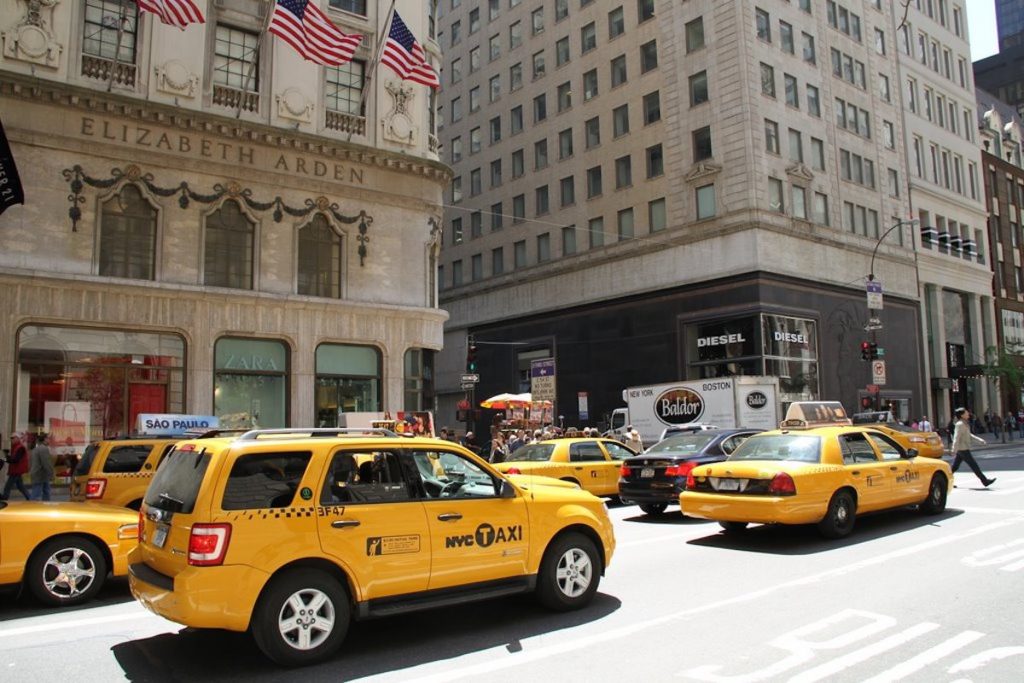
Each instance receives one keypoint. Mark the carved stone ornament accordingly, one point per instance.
(175, 78)
(31, 40)
(398, 125)
(702, 170)
(293, 105)
(800, 171)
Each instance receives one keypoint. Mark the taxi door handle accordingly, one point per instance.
(855, 473)
(894, 468)
(449, 517)
(343, 523)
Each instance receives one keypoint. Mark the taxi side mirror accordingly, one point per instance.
(506, 490)
(911, 453)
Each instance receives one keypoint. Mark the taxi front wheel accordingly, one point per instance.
(842, 512)
(569, 573)
(302, 618)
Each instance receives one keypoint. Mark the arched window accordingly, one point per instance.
(319, 262)
(128, 236)
(229, 248)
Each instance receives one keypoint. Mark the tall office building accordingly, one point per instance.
(946, 195)
(212, 225)
(1010, 23)
(649, 191)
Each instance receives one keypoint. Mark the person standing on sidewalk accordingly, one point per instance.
(17, 466)
(41, 469)
(961, 447)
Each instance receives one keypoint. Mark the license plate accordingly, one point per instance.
(728, 484)
(647, 473)
(160, 535)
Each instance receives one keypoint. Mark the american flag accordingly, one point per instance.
(178, 13)
(405, 56)
(302, 24)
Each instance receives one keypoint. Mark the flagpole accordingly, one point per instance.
(117, 48)
(376, 57)
(267, 13)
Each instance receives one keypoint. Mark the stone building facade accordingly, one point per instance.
(212, 225)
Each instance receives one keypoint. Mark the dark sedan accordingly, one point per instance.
(656, 477)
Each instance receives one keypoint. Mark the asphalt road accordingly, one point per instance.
(905, 598)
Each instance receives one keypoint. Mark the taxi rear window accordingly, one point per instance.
(536, 452)
(126, 459)
(264, 480)
(85, 464)
(176, 484)
(798, 447)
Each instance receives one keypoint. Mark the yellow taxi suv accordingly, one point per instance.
(817, 475)
(117, 471)
(63, 552)
(291, 534)
(593, 464)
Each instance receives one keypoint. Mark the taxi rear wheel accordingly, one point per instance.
(937, 492)
(841, 515)
(569, 573)
(302, 618)
(66, 571)
(734, 527)
(653, 508)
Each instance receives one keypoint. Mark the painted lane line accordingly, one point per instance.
(989, 511)
(929, 656)
(838, 664)
(616, 635)
(77, 623)
(661, 539)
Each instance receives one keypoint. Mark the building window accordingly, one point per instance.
(538, 64)
(540, 154)
(99, 380)
(775, 201)
(236, 58)
(515, 76)
(655, 161)
(594, 188)
(540, 108)
(625, 224)
(623, 172)
(569, 240)
(348, 380)
(561, 9)
(496, 173)
(497, 261)
(518, 163)
(767, 80)
(515, 35)
(644, 10)
(519, 208)
(620, 121)
(618, 69)
(656, 216)
(786, 38)
(228, 249)
(250, 383)
(652, 107)
(565, 144)
(543, 247)
(589, 85)
(353, 6)
(541, 203)
(763, 23)
(705, 200)
(567, 191)
(562, 51)
(319, 259)
(476, 224)
(702, 144)
(128, 236)
(476, 268)
(616, 23)
(516, 120)
(519, 253)
(564, 97)
(813, 101)
(419, 379)
(588, 38)
(496, 217)
(595, 232)
(648, 56)
(537, 20)
(809, 54)
(792, 91)
(799, 196)
(771, 136)
(592, 131)
(796, 145)
(698, 88)
(695, 34)
(343, 89)
(104, 20)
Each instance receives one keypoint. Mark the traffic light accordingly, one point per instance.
(865, 350)
(873, 350)
(471, 357)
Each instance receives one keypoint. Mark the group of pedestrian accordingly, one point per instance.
(31, 457)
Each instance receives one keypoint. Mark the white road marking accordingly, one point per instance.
(857, 656)
(616, 635)
(983, 557)
(76, 623)
(929, 656)
(982, 658)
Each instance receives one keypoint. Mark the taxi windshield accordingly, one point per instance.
(534, 452)
(682, 443)
(798, 447)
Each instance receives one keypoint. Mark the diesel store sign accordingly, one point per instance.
(723, 340)
(787, 337)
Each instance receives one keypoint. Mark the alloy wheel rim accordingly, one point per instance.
(574, 573)
(68, 573)
(306, 619)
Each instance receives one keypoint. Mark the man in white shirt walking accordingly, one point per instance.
(962, 445)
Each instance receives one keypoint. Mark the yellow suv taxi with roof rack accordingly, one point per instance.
(292, 533)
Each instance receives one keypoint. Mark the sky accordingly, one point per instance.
(981, 20)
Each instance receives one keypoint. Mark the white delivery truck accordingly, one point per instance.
(722, 402)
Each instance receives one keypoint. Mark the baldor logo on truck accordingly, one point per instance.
(679, 406)
(757, 400)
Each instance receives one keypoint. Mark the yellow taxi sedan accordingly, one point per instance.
(927, 444)
(593, 464)
(819, 475)
(63, 552)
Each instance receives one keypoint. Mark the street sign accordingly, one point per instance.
(873, 324)
(582, 399)
(542, 379)
(874, 288)
(468, 385)
(470, 379)
(878, 372)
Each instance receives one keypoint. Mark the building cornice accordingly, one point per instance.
(37, 90)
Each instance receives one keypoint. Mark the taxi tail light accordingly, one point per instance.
(680, 470)
(208, 544)
(782, 485)
(95, 488)
(513, 470)
(691, 481)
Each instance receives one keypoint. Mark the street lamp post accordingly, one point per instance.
(871, 277)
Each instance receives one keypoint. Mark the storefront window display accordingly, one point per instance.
(347, 380)
(250, 386)
(79, 385)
